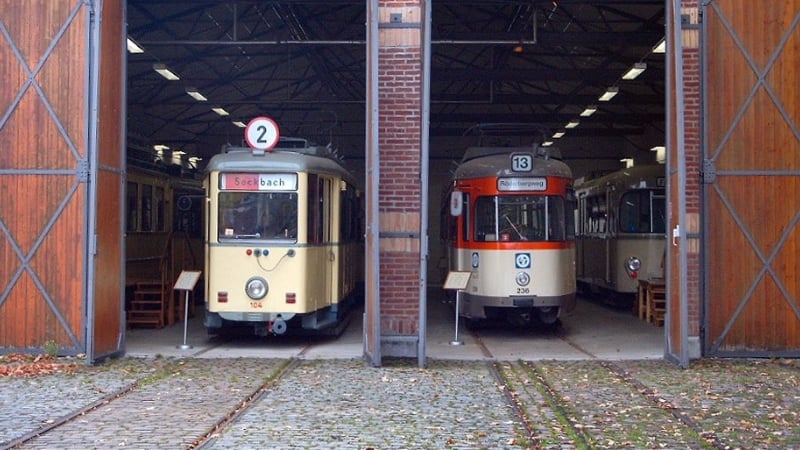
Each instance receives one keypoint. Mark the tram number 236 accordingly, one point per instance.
(256, 305)
(523, 290)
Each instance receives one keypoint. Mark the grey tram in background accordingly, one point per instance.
(620, 235)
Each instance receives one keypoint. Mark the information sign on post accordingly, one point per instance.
(262, 133)
(186, 281)
(457, 281)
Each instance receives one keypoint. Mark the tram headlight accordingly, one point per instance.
(523, 279)
(632, 265)
(256, 288)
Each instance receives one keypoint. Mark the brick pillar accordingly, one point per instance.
(400, 99)
(693, 154)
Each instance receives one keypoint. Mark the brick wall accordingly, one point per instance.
(400, 129)
(693, 154)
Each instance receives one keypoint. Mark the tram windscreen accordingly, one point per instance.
(517, 218)
(257, 215)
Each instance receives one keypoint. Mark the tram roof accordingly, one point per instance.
(631, 177)
(495, 161)
(290, 155)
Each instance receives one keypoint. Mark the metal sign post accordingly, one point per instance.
(457, 281)
(186, 282)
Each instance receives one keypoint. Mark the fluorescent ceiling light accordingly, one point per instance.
(609, 94)
(164, 72)
(559, 134)
(133, 47)
(634, 71)
(160, 147)
(547, 143)
(658, 148)
(220, 111)
(628, 162)
(195, 94)
(240, 124)
(591, 109)
(661, 47)
(178, 152)
(572, 124)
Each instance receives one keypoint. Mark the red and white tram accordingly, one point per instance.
(508, 220)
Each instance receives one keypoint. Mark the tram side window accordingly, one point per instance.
(641, 211)
(188, 215)
(350, 215)
(557, 218)
(569, 214)
(159, 204)
(596, 214)
(466, 218)
(315, 198)
(147, 208)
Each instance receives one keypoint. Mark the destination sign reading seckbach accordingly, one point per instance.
(521, 184)
(258, 181)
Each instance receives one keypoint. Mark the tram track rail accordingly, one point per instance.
(262, 391)
(80, 412)
(180, 404)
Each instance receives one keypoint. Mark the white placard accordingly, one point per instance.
(187, 280)
(457, 280)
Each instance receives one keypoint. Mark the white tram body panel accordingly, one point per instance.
(493, 279)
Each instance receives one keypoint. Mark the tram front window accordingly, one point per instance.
(257, 215)
(517, 218)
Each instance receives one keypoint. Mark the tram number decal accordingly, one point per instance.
(522, 260)
(256, 305)
(521, 162)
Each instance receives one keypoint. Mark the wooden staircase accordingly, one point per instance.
(154, 302)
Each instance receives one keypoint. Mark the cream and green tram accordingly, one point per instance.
(284, 240)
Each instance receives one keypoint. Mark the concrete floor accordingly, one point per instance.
(591, 331)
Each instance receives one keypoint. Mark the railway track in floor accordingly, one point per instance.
(174, 403)
(556, 413)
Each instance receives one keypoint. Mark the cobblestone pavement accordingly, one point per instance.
(257, 403)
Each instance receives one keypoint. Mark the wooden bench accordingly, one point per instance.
(652, 300)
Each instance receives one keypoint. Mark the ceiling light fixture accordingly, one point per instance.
(559, 134)
(165, 72)
(547, 143)
(591, 109)
(634, 71)
(628, 162)
(220, 111)
(661, 47)
(572, 123)
(133, 47)
(160, 147)
(240, 124)
(609, 94)
(195, 94)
